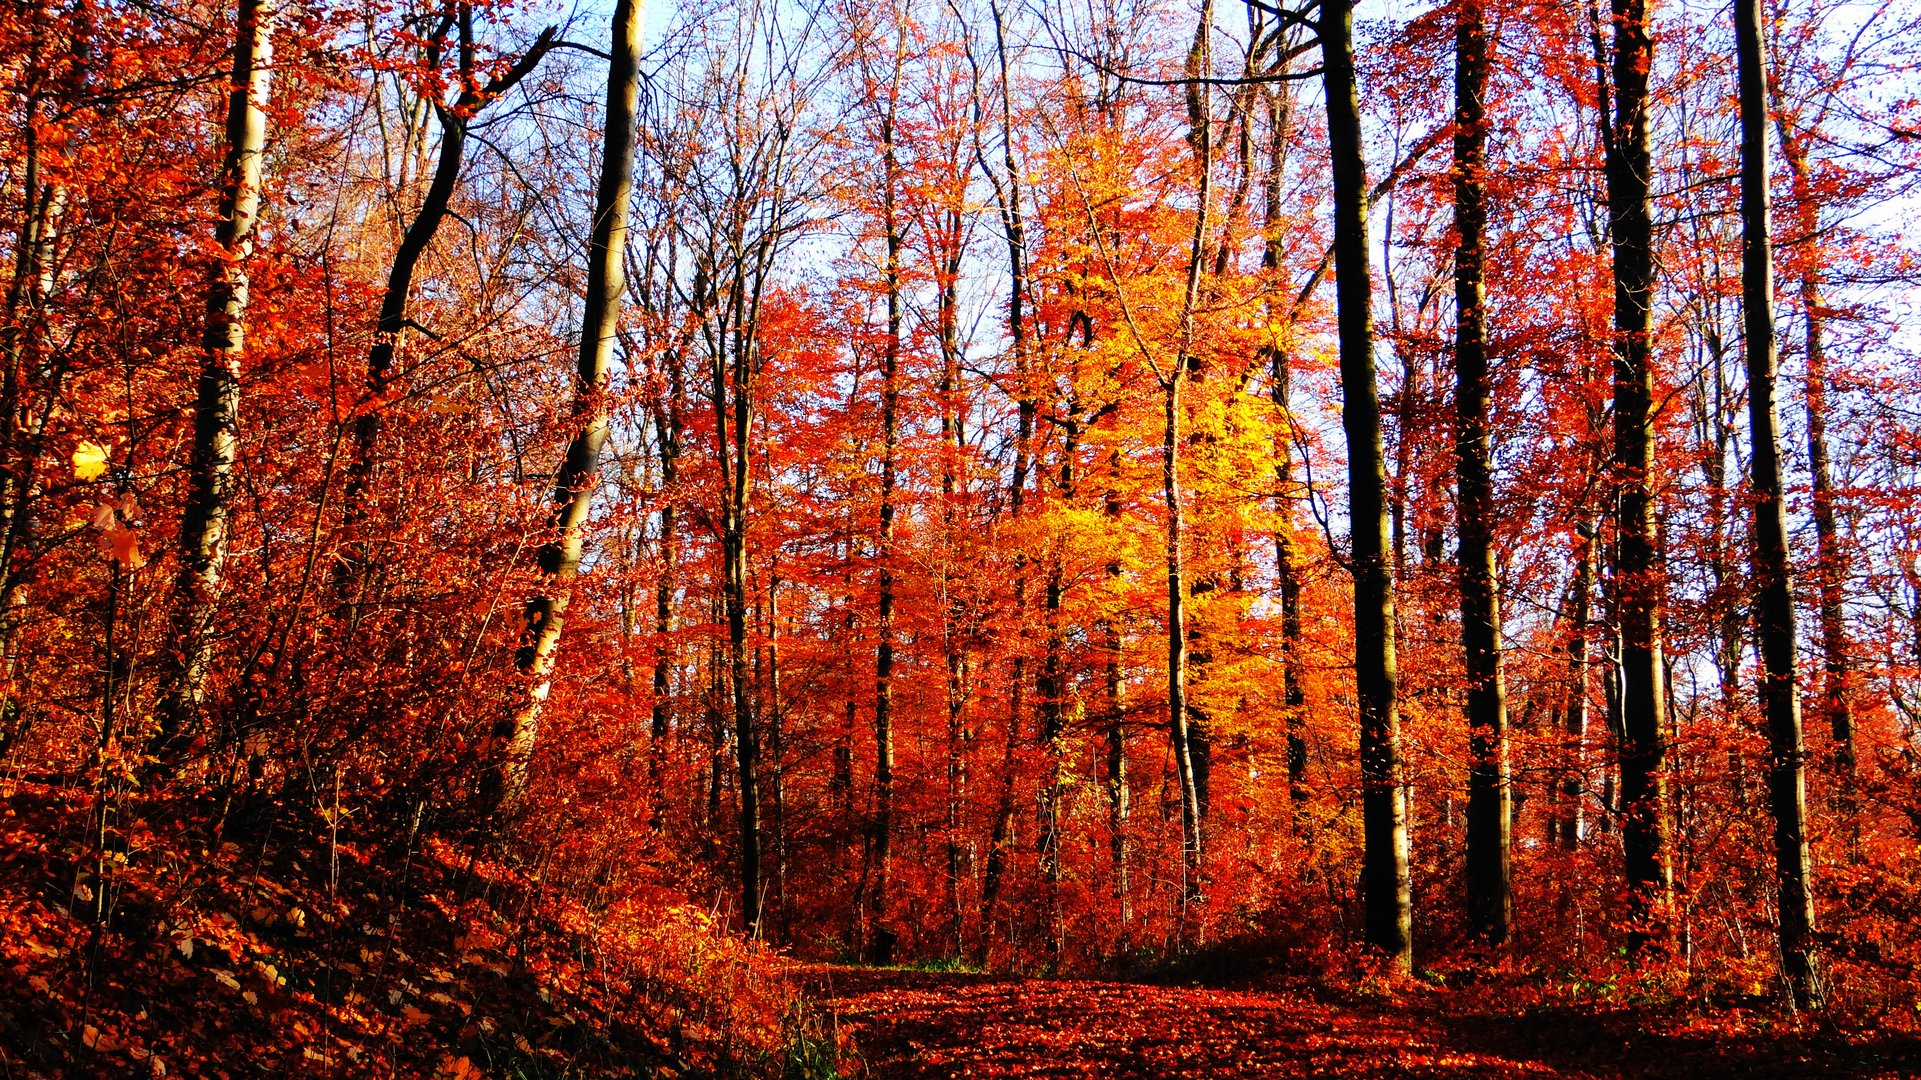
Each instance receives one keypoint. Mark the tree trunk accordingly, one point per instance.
(1489, 818)
(1014, 227)
(1831, 557)
(1639, 575)
(667, 429)
(736, 480)
(1117, 781)
(1053, 693)
(1774, 587)
(1574, 715)
(776, 760)
(881, 842)
(391, 326)
(30, 366)
(574, 483)
(216, 436)
(954, 612)
(1201, 138)
(1385, 881)
(1280, 101)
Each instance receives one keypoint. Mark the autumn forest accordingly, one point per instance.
(804, 538)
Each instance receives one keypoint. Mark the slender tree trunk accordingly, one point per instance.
(1280, 102)
(840, 785)
(953, 610)
(1287, 574)
(1053, 692)
(1385, 880)
(1774, 592)
(1200, 138)
(1014, 227)
(1831, 558)
(734, 554)
(575, 481)
(1639, 577)
(733, 398)
(391, 327)
(881, 843)
(776, 760)
(22, 425)
(1177, 643)
(1118, 795)
(667, 426)
(216, 435)
(1574, 716)
(1489, 815)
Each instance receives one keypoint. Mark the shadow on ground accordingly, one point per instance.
(914, 1024)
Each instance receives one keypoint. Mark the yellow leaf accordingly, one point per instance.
(89, 461)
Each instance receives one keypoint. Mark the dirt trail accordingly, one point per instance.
(926, 1024)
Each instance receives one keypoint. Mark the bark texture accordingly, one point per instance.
(1384, 876)
(1639, 576)
(574, 483)
(216, 413)
(1489, 797)
(1774, 617)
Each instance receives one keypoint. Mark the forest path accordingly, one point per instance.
(936, 1024)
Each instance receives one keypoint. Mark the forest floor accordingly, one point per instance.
(906, 1023)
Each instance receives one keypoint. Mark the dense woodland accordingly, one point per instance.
(605, 506)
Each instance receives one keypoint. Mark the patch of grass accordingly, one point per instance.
(945, 965)
(813, 1045)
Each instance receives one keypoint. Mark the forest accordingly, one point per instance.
(816, 538)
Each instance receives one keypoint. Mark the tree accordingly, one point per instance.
(1638, 577)
(216, 438)
(1385, 880)
(390, 329)
(578, 475)
(1489, 815)
(1774, 594)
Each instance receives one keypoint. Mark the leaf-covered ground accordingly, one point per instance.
(928, 1024)
(262, 944)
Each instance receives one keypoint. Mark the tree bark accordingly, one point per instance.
(1385, 880)
(575, 481)
(1574, 714)
(216, 436)
(667, 429)
(954, 611)
(1280, 102)
(1489, 816)
(883, 823)
(1774, 615)
(1014, 227)
(1831, 557)
(1201, 139)
(1638, 566)
(32, 369)
(1118, 793)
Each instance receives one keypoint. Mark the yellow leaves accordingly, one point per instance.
(89, 461)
